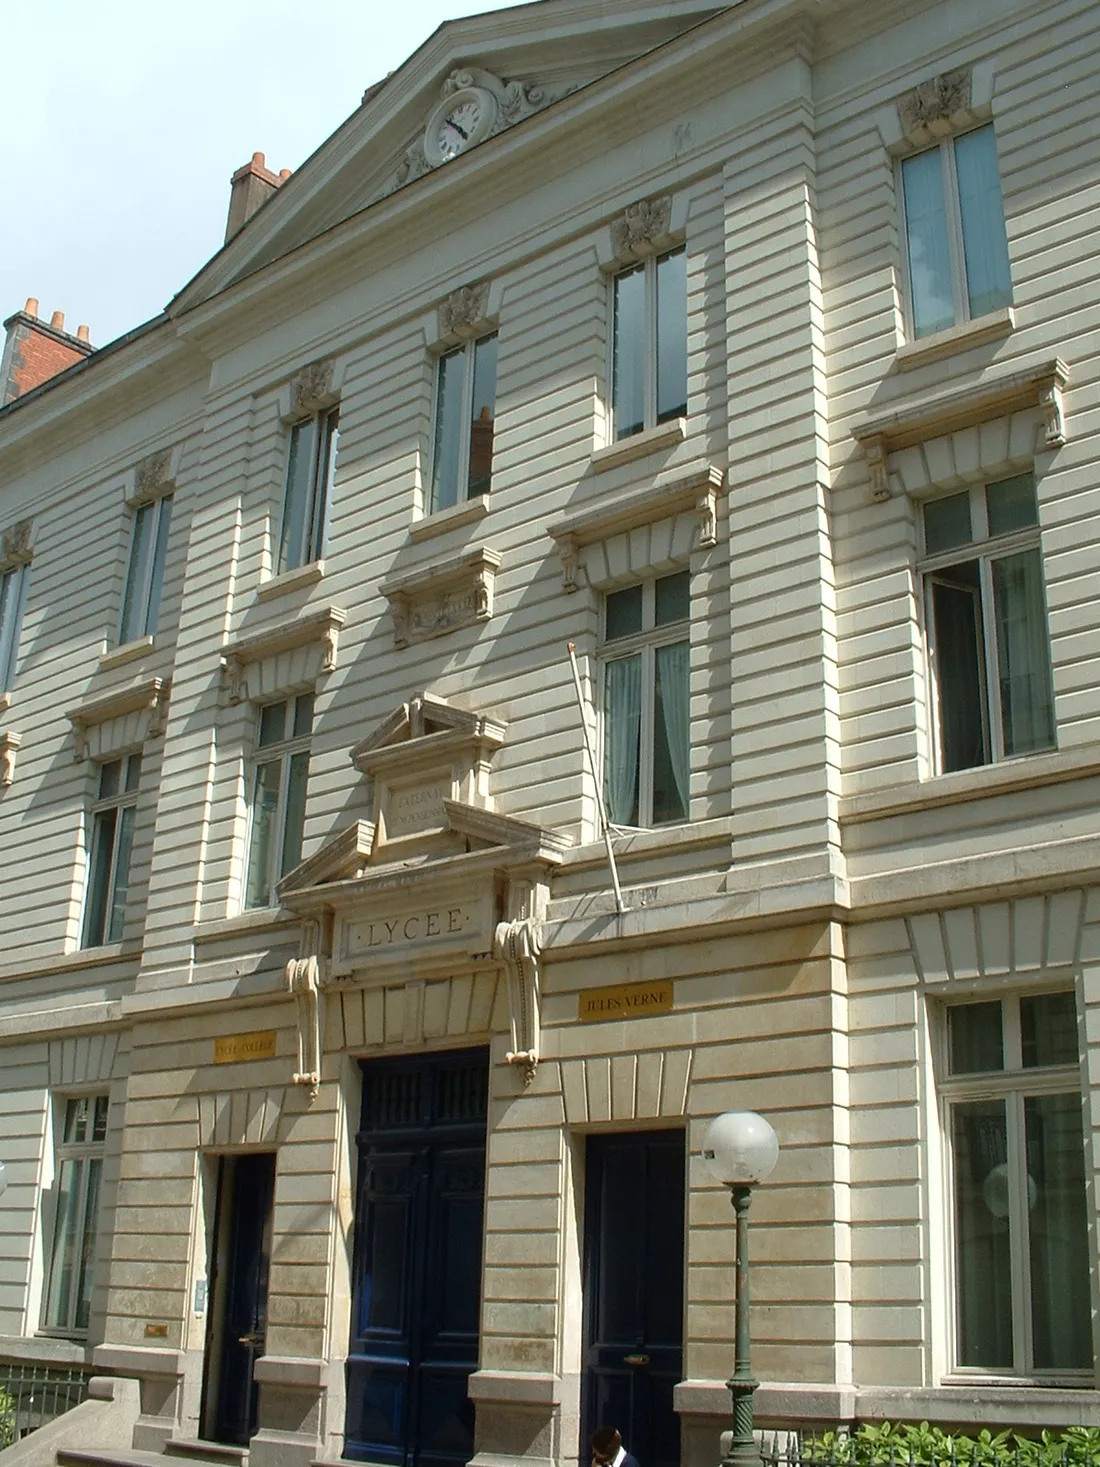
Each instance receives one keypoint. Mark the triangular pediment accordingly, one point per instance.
(530, 58)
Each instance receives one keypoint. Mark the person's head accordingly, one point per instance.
(605, 1442)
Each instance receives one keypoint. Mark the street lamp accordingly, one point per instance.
(741, 1149)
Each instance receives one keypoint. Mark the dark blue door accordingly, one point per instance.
(634, 1290)
(418, 1260)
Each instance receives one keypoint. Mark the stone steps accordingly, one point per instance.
(199, 1453)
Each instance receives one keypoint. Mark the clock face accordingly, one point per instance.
(458, 128)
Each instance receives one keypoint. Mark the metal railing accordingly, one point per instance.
(31, 1395)
(808, 1452)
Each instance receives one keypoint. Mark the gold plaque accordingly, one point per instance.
(628, 1001)
(234, 1047)
(156, 1331)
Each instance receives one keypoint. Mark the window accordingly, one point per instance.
(955, 232)
(113, 816)
(13, 596)
(646, 750)
(987, 626)
(1022, 1300)
(310, 467)
(80, 1164)
(465, 409)
(278, 802)
(649, 345)
(145, 572)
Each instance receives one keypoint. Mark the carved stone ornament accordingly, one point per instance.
(9, 743)
(935, 101)
(311, 389)
(15, 546)
(303, 980)
(516, 947)
(642, 228)
(454, 593)
(153, 473)
(464, 310)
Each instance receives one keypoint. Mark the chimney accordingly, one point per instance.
(250, 187)
(35, 352)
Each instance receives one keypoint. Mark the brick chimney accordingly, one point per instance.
(35, 352)
(250, 187)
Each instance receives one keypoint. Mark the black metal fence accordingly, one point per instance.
(31, 1395)
(806, 1452)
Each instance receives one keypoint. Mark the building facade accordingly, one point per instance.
(747, 354)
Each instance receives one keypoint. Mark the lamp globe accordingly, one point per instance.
(740, 1148)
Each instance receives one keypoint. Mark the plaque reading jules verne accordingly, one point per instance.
(628, 1001)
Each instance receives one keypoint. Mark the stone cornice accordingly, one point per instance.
(152, 694)
(322, 627)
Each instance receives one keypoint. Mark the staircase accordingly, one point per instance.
(176, 1453)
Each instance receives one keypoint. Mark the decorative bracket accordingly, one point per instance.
(452, 593)
(151, 695)
(9, 743)
(516, 947)
(304, 978)
(321, 628)
(464, 313)
(15, 545)
(312, 389)
(642, 229)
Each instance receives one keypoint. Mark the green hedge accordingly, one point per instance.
(906, 1445)
(7, 1418)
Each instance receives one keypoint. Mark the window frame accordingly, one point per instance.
(1013, 1084)
(645, 642)
(317, 505)
(960, 295)
(985, 549)
(467, 350)
(152, 579)
(86, 1228)
(13, 605)
(125, 798)
(282, 752)
(651, 421)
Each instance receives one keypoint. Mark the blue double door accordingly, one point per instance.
(417, 1269)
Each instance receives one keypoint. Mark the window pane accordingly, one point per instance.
(983, 222)
(265, 805)
(672, 336)
(448, 430)
(156, 580)
(1058, 1233)
(65, 1244)
(99, 1124)
(1048, 1030)
(623, 613)
(121, 887)
(272, 724)
(76, 1120)
(672, 599)
(86, 1251)
(133, 772)
(95, 912)
(110, 779)
(1011, 505)
(983, 1279)
(975, 1038)
(1023, 653)
(295, 813)
(322, 494)
(959, 667)
(628, 364)
(303, 714)
(947, 523)
(137, 573)
(483, 412)
(622, 733)
(926, 234)
(671, 734)
(296, 503)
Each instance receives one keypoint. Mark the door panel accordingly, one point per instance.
(634, 1267)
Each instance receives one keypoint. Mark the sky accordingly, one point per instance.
(125, 119)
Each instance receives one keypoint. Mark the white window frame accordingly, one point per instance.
(649, 267)
(13, 600)
(148, 611)
(281, 753)
(85, 1231)
(467, 351)
(985, 549)
(646, 643)
(123, 799)
(322, 475)
(960, 295)
(1013, 1084)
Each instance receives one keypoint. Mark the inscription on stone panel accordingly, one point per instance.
(406, 929)
(413, 929)
(417, 808)
(628, 1001)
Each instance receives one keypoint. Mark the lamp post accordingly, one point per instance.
(741, 1149)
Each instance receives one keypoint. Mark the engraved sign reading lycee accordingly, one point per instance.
(628, 1001)
(413, 928)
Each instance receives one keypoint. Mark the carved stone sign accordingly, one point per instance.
(415, 808)
(416, 927)
(453, 593)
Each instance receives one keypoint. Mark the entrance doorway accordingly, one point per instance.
(237, 1319)
(634, 1290)
(418, 1225)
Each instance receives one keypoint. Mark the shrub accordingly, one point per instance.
(908, 1445)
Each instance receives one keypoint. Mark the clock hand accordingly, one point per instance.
(461, 131)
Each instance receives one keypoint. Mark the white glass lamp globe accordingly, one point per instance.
(740, 1148)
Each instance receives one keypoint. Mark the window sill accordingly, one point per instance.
(291, 580)
(127, 652)
(467, 513)
(991, 327)
(689, 835)
(254, 919)
(664, 435)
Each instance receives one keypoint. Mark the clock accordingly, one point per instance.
(464, 118)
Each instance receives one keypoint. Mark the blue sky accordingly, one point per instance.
(125, 119)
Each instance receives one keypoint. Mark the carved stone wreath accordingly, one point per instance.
(15, 544)
(153, 473)
(311, 389)
(642, 227)
(464, 310)
(935, 101)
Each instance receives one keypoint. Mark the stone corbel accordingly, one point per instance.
(706, 503)
(1050, 405)
(874, 450)
(516, 947)
(570, 553)
(305, 976)
(9, 743)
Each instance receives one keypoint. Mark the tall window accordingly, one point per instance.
(987, 624)
(80, 1164)
(13, 596)
(646, 746)
(1022, 1299)
(465, 409)
(112, 844)
(955, 232)
(310, 467)
(278, 800)
(649, 345)
(145, 571)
